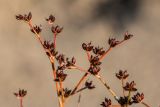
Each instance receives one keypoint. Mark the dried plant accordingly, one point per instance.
(95, 56)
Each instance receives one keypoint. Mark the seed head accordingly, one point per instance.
(36, 29)
(98, 51)
(138, 97)
(127, 36)
(130, 86)
(89, 85)
(122, 74)
(24, 17)
(56, 29)
(51, 19)
(21, 93)
(87, 46)
(112, 42)
(106, 103)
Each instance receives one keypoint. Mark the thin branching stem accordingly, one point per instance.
(123, 86)
(51, 60)
(98, 77)
(145, 104)
(107, 86)
(21, 102)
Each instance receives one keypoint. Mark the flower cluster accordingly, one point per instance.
(95, 55)
(130, 86)
(138, 97)
(122, 74)
(50, 47)
(127, 36)
(89, 85)
(51, 19)
(25, 17)
(56, 29)
(98, 51)
(36, 29)
(87, 46)
(113, 42)
(106, 103)
(67, 92)
(21, 93)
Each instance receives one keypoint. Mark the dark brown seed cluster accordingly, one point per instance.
(94, 65)
(106, 103)
(87, 46)
(36, 29)
(51, 19)
(50, 46)
(21, 93)
(127, 36)
(94, 69)
(56, 29)
(24, 17)
(89, 85)
(70, 63)
(98, 51)
(61, 59)
(67, 92)
(130, 86)
(124, 101)
(138, 97)
(94, 60)
(122, 74)
(66, 61)
(113, 42)
(60, 76)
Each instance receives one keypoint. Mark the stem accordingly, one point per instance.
(21, 102)
(57, 88)
(88, 55)
(129, 96)
(80, 81)
(55, 35)
(105, 54)
(51, 58)
(37, 35)
(79, 100)
(61, 89)
(123, 86)
(107, 86)
(97, 76)
(145, 104)
(109, 49)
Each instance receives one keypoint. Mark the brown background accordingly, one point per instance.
(24, 65)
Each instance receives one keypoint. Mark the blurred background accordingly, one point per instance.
(23, 63)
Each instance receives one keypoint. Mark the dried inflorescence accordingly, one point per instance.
(70, 63)
(87, 46)
(60, 76)
(130, 86)
(106, 103)
(95, 55)
(25, 17)
(51, 19)
(89, 85)
(21, 93)
(98, 51)
(138, 97)
(113, 42)
(67, 92)
(36, 29)
(127, 36)
(50, 47)
(124, 101)
(56, 29)
(122, 74)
